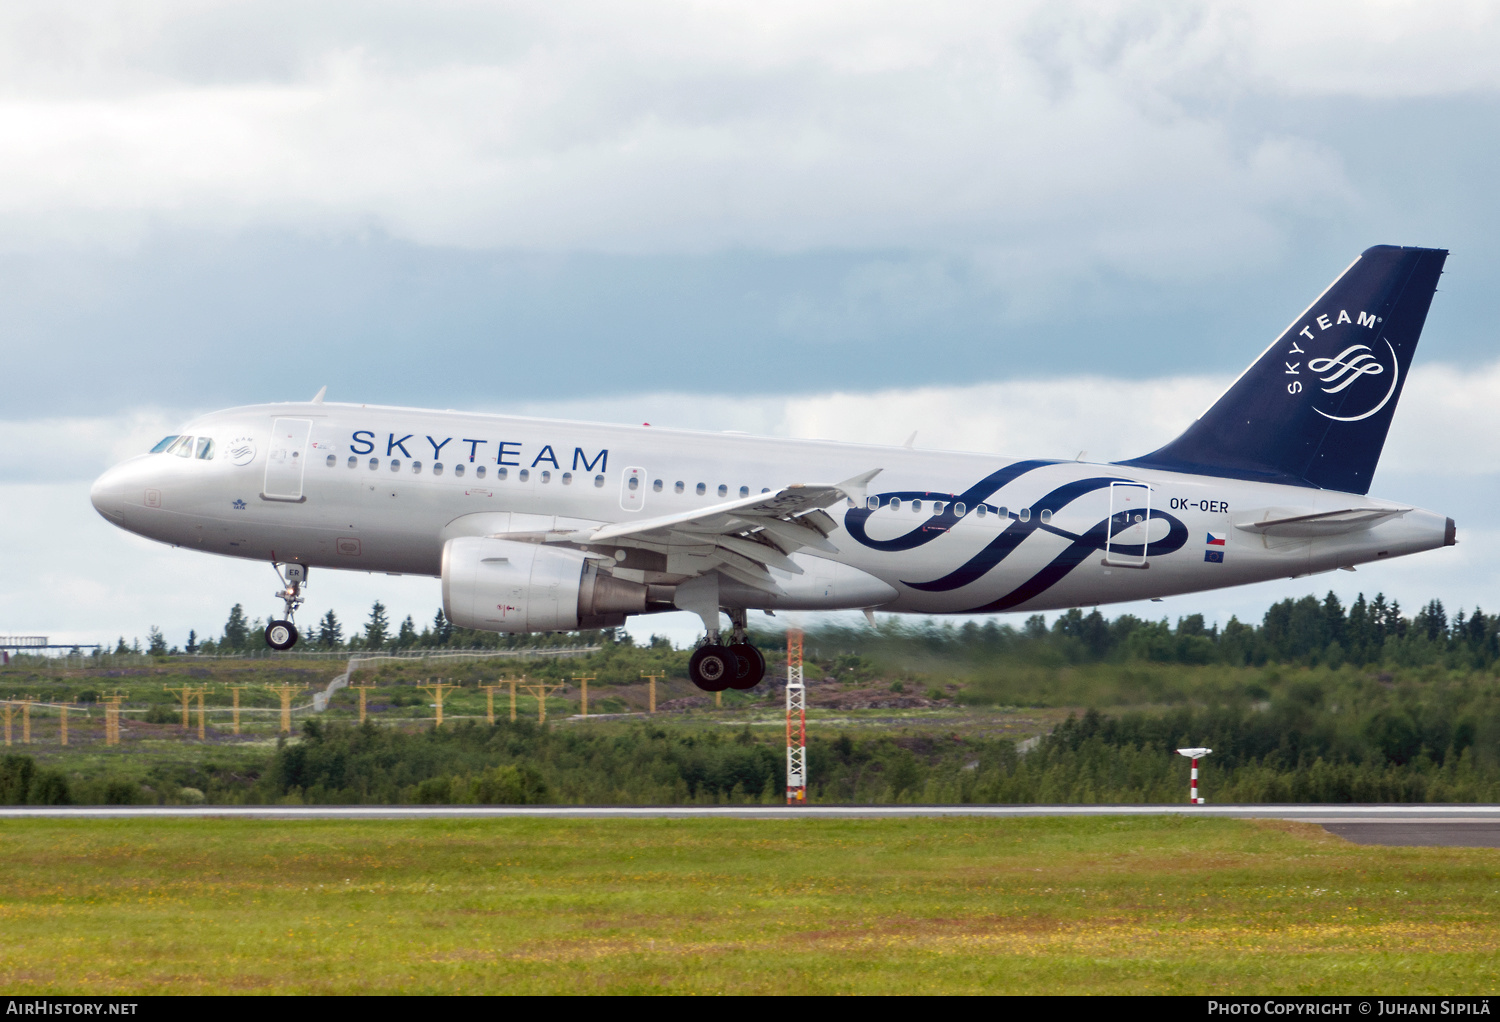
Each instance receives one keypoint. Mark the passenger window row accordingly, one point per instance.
(702, 488)
(503, 472)
(958, 509)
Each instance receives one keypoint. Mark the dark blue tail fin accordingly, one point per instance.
(1315, 407)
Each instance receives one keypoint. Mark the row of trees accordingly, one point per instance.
(242, 635)
(1308, 630)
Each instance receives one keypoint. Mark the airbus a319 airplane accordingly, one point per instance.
(547, 525)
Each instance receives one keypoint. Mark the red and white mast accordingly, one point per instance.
(1194, 755)
(796, 721)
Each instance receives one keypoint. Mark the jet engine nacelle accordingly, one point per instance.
(500, 585)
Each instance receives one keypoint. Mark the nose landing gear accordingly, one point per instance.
(282, 634)
(738, 665)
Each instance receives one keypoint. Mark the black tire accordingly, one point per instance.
(281, 635)
(713, 667)
(752, 665)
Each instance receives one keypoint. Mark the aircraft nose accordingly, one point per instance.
(108, 494)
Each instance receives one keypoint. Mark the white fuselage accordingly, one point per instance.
(383, 489)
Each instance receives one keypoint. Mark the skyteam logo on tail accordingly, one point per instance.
(1351, 366)
(1360, 375)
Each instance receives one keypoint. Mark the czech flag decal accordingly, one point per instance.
(1217, 538)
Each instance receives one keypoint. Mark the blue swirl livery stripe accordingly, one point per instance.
(1081, 547)
(1012, 536)
(854, 520)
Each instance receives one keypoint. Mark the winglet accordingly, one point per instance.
(854, 487)
(318, 397)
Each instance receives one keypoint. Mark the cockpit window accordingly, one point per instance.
(183, 448)
(165, 443)
(205, 448)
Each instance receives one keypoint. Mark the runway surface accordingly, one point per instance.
(1453, 825)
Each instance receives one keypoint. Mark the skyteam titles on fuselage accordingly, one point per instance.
(510, 453)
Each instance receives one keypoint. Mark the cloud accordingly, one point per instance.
(1034, 133)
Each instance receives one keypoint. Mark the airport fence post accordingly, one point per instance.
(437, 689)
(9, 710)
(489, 702)
(284, 690)
(1194, 754)
(652, 689)
(112, 718)
(202, 733)
(185, 693)
(540, 690)
(234, 694)
(362, 689)
(585, 683)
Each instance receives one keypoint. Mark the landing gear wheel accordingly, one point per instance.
(752, 666)
(713, 667)
(281, 635)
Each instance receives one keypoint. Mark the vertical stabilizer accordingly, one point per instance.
(1315, 407)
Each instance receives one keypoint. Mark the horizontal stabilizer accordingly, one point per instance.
(1276, 522)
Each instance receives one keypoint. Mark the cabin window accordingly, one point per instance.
(1046, 516)
(502, 473)
(980, 510)
(353, 461)
(599, 480)
(1025, 514)
(678, 486)
(895, 504)
(395, 464)
(437, 468)
(702, 489)
(206, 449)
(333, 460)
(374, 464)
(416, 468)
(959, 510)
(458, 470)
(873, 503)
(937, 507)
(723, 490)
(744, 491)
(164, 444)
(632, 484)
(524, 474)
(765, 489)
(1003, 512)
(546, 475)
(656, 486)
(567, 478)
(478, 471)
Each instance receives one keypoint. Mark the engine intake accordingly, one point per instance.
(500, 585)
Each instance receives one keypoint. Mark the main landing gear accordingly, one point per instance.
(715, 667)
(282, 634)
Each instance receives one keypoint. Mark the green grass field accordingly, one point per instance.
(719, 906)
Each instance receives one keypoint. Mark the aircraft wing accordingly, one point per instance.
(742, 538)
